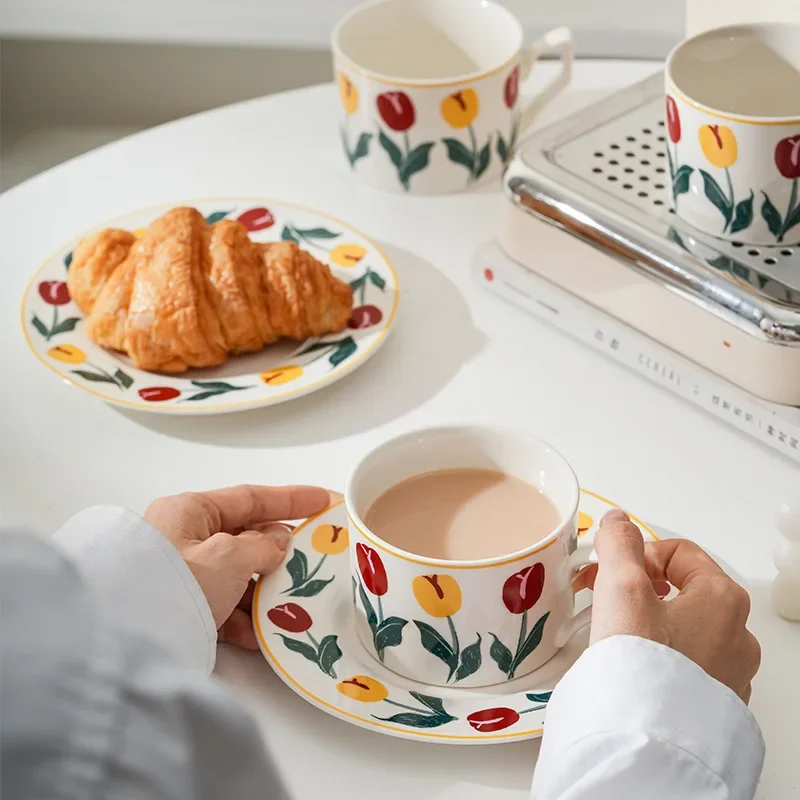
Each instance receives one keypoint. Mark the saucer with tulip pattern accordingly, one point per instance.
(303, 620)
(53, 324)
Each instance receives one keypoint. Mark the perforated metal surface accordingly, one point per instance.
(626, 157)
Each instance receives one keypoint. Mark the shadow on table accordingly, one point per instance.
(432, 338)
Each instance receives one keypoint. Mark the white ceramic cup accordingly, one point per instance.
(465, 623)
(733, 125)
(429, 90)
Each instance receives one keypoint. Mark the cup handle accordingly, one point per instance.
(557, 40)
(582, 557)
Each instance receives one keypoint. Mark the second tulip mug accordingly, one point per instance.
(430, 90)
(465, 623)
(733, 133)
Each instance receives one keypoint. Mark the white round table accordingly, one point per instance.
(457, 353)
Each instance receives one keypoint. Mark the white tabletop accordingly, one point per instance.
(456, 354)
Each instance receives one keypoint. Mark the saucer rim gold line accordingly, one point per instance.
(361, 721)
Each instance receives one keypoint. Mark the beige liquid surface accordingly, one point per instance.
(462, 514)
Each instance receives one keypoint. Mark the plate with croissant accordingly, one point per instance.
(217, 306)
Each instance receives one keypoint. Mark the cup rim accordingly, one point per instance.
(714, 33)
(423, 83)
(507, 558)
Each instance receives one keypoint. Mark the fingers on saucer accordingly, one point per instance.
(241, 507)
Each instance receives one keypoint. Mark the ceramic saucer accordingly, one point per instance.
(52, 323)
(302, 616)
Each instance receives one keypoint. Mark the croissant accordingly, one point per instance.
(190, 295)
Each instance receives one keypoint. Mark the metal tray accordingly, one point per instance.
(603, 176)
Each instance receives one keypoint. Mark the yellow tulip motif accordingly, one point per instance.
(719, 145)
(438, 595)
(348, 94)
(330, 540)
(460, 108)
(363, 688)
(584, 523)
(347, 255)
(280, 375)
(67, 354)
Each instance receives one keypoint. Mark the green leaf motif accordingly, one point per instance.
(435, 704)
(458, 153)
(305, 650)
(483, 159)
(502, 149)
(471, 660)
(743, 217)
(501, 655)
(68, 260)
(390, 633)
(217, 386)
(316, 346)
(124, 379)
(792, 220)
(531, 643)
(771, 215)
(95, 377)
(436, 644)
(358, 283)
(65, 326)
(39, 325)
(345, 349)
(329, 654)
(202, 396)
(362, 147)
(288, 236)
(680, 181)
(317, 233)
(416, 161)
(297, 567)
(216, 216)
(674, 236)
(310, 589)
(538, 697)
(392, 150)
(716, 196)
(372, 617)
(417, 720)
(376, 280)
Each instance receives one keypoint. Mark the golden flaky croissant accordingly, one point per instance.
(188, 294)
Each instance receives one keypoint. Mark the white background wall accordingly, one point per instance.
(603, 27)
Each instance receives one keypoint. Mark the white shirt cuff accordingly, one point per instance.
(633, 713)
(142, 581)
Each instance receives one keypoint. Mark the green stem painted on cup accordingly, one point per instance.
(456, 647)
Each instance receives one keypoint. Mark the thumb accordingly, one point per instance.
(624, 599)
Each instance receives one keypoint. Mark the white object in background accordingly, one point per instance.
(786, 586)
(430, 91)
(702, 15)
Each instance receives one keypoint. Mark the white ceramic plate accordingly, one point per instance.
(302, 616)
(53, 327)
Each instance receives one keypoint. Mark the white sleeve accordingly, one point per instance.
(142, 581)
(634, 719)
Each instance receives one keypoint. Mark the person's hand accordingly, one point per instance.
(706, 621)
(227, 535)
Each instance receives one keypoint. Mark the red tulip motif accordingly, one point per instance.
(158, 394)
(372, 570)
(290, 617)
(524, 588)
(511, 88)
(54, 293)
(493, 719)
(396, 110)
(787, 157)
(673, 120)
(256, 219)
(365, 317)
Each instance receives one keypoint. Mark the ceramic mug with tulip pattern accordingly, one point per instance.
(429, 91)
(465, 623)
(733, 124)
